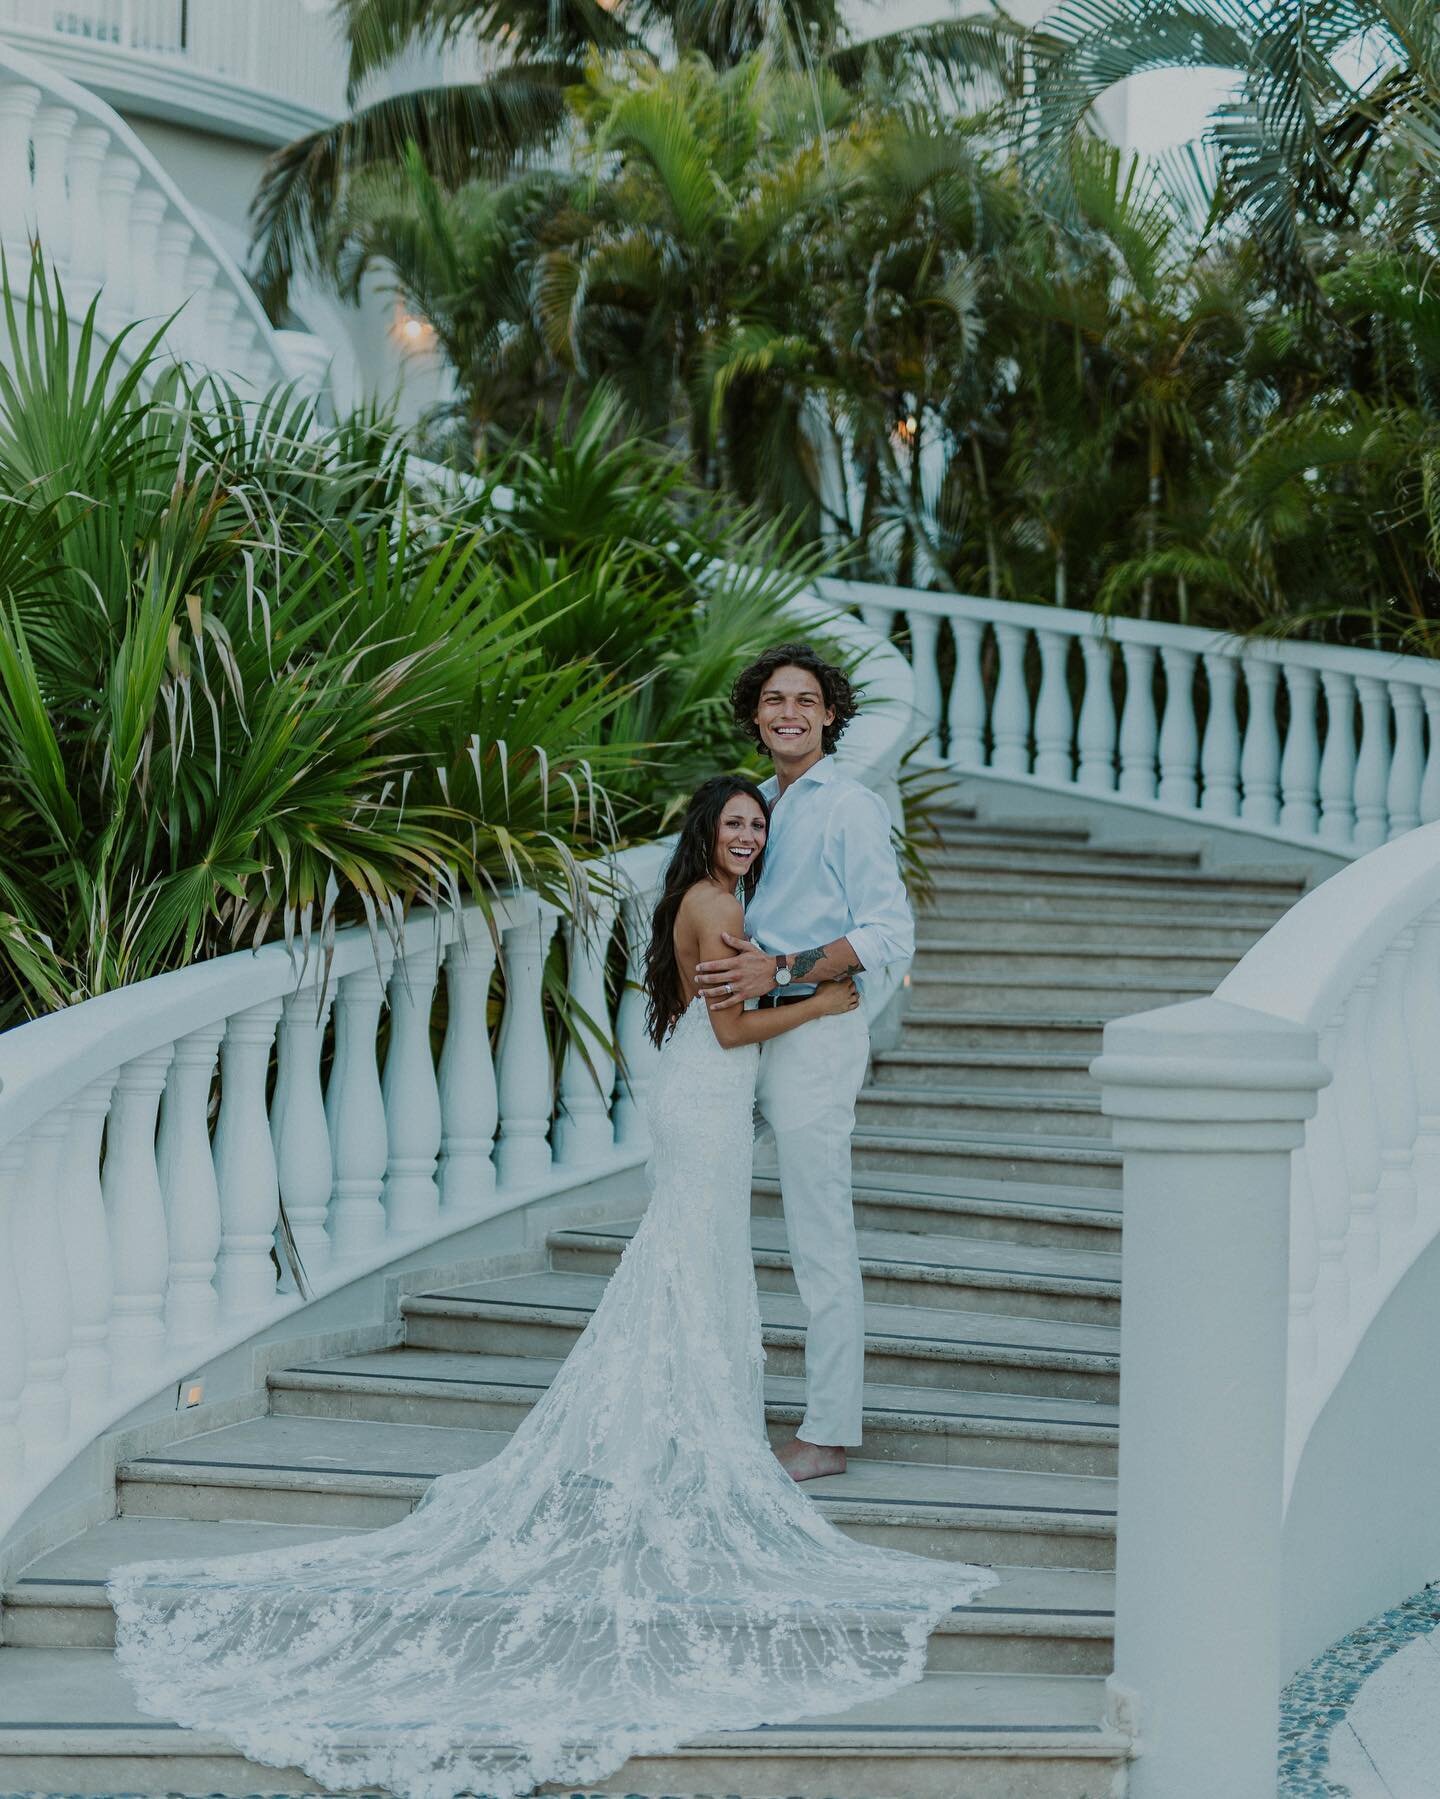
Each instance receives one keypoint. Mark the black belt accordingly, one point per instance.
(781, 999)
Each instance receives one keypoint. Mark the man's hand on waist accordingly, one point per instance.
(750, 973)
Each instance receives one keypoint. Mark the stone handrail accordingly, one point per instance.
(1261, 733)
(111, 222)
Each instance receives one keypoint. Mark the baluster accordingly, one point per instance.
(1137, 722)
(1097, 717)
(1300, 764)
(135, 1216)
(637, 1052)
(1407, 766)
(522, 1153)
(45, 1285)
(1054, 718)
(1423, 1011)
(1393, 1082)
(1430, 784)
(87, 224)
(1372, 770)
(1329, 1188)
(412, 1095)
(1179, 741)
(172, 251)
(245, 1163)
(924, 637)
(87, 1248)
(12, 1318)
(1358, 1128)
(18, 103)
(200, 273)
(51, 136)
(1304, 1273)
(583, 1131)
(469, 1108)
(1337, 764)
(1220, 751)
(967, 695)
(1010, 716)
(118, 180)
(188, 1187)
(879, 618)
(221, 308)
(148, 296)
(1260, 754)
(299, 1130)
(355, 1113)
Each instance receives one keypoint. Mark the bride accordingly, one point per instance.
(636, 1568)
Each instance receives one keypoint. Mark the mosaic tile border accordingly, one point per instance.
(1319, 1696)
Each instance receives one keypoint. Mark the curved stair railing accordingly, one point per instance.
(137, 1243)
(1310, 743)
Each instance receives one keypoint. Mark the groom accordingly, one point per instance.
(830, 903)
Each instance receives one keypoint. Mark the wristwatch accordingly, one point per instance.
(783, 976)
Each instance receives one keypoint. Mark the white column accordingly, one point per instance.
(924, 637)
(45, 1285)
(1392, 1078)
(148, 299)
(135, 1214)
(1097, 717)
(245, 1163)
(51, 135)
(967, 694)
(637, 1053)
(1407, 766)
(355, 1113)
(118, 179)
(1300, 764)
(221, 308)
(87, 1248)
(1337, 762)
(1010, 715)
(1054, 715)
(412, 1096)
(583, 1131)
(87, 222)
(298, 1127)
(12, 1318)
(1372, 770)
(1179, 745)
(200, 273)
(1207, 1102)
(523, 1153)
(1137, 722)
(1430, 781)
(469, 1107)
(1260, 756)
(18, 103)
(172, 252)
(188, 1186)
(1220, 750)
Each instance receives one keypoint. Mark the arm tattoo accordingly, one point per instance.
(803, 961)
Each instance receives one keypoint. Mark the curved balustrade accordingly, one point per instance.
(112, 223)
(1306, 742)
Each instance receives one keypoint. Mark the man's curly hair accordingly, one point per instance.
(834, 685)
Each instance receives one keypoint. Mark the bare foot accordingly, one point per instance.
(808, 1461)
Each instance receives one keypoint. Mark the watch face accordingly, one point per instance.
(782, 977)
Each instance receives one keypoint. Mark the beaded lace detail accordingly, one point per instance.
(634, 1570)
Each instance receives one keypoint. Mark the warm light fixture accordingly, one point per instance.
(413, 331)
(906, 428)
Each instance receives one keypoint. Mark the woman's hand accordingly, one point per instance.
(834, 997)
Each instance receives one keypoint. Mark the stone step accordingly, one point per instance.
(941, 959)
(1069, 1161)
(543, 1314)
(998, 926)
(927, 1026)
(343, 1447)
(941, 1206)
(997, 872)
(990, 1109)
(967, 826)
(1037, 1620)
(969, 1274)
(982, 850)
(1009, 1070)
(69, 1724)
(1039, 996)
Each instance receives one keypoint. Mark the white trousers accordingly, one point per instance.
(806, 1090)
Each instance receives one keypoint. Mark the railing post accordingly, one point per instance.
(1097, 717)
(924, 637)
(967, 694)
(1337, 761)
(1010, 715)
(469, 1108)
(1430, 781)
(1179, 744)
(118, 181)
(1300, 763)
(1372, 770)
(51, 134)
(1260, 756)
(18, 101)
(523, 1152)
(245, 1163)
(1054, 717)
(1220, 750)
(135, 1214)
(1407, 766)
(298, 1126)
(412, 1097)
(45, 1285)
(187, 1181)
(355, 1114)
(1137, 722)
(87, 1248)
(1208, 1101)
(583, 1131)
(637, 1052)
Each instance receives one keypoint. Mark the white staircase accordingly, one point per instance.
(988, 1201)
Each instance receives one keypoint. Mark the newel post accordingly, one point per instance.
(1208, 1101)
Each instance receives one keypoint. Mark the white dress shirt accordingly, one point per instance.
(830, 871)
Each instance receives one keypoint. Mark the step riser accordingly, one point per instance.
(959, 1160)
(968, 1295)
(963, 1369)
(1047, 858)
(1008, 1034)
(957, 918)
(945, 1114)
(997, 875)
(1057, 1001)
(987, 966)
(942, 1076)
(882, 1215)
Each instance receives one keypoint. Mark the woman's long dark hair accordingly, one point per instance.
(693, 861)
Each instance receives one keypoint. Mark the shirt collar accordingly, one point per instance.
(820, 771)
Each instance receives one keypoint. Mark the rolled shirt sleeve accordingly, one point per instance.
(861, 854)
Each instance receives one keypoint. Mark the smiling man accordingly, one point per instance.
(830, 903)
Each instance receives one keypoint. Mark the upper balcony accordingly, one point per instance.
(263, 70)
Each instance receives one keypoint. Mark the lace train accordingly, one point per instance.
(634, 1570)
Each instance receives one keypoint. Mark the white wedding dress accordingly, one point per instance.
(634, 1570)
